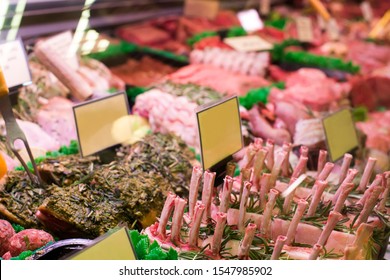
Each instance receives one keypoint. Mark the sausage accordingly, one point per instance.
(6, 232)
(28, 239)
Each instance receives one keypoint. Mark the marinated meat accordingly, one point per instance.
(218, 79)
(143, 73)
(6, 232)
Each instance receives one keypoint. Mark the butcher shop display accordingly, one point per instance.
(281, 197)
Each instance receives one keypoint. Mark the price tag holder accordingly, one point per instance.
(250, 43)
(220, 135)
(341, 136)
(61, 44)
(97, 123)
(250, 20)
(115, 245)
(305, 29)
(201, 8)
(13, 61)
(367, 12)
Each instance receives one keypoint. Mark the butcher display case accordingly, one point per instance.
(204, 137)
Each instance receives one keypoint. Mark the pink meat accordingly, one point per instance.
(36, 137)
(56, 118)
(6, 232)
(312, 88)
(28, 239)
(377, 130)
(221, 80)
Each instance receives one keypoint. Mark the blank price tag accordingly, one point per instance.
(250, 20)
(61, 44)
(13, 61)
(111, 246)
(333, 30)
(220, 134)
(341, 136)
(305, 29)
(201, 8)
(367, 11)
(248, 43)
(97, 121)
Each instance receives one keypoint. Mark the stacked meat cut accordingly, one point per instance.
(301, 217)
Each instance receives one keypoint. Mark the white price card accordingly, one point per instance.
(305, 29)
(333, 30)
(13, 61)
(61, 44)
(248, 43)
(367, 11)
(250, 20)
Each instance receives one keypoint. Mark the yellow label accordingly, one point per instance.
(201, 8)
(3, 84)
(340, 134)
(220, 131)
(251, 43)
(97, 123)
(114, 246)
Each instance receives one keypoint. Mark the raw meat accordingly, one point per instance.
(56, 118)
(377, 130)
(6, 232)
(220, 80)
(372, 91)
(143, 72)
(28, 239)
(167, 113)
(253, 64)
(145, 35)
